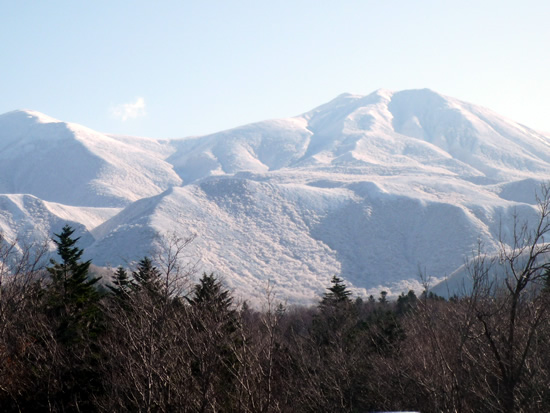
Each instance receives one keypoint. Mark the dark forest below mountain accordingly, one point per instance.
(154, 341)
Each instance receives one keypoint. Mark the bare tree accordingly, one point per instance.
(148, 366)
(513, 314)
(484, 351)
(257, 371)
(21, 275)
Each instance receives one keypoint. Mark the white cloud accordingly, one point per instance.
(127, 111)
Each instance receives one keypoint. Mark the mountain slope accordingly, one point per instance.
(382, 133)
(73, 165)
(374, 188)
(28, 219)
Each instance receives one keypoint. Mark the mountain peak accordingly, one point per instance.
(383, 93)
(33, 115)
(366, 186)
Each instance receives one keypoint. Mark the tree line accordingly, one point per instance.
(152, 340)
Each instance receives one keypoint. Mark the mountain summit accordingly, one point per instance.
(74, 165)
(369, 187)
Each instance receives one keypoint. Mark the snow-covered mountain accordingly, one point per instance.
(73, 165)
(373, 188)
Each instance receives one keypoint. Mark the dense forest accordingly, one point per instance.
(152, 340)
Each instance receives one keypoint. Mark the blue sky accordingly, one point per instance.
(179, 68)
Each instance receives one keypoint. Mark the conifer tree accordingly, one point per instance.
(405, 303)
(214, 324)
(72, 307)
(214, 302)
(209, 293)
(337, 312)
(72, 297)
(337, 293)
(147, 277)
(122, 285)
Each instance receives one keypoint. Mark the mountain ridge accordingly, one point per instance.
(368, 187)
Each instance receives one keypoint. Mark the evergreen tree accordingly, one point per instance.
(72, 297)
(122, 285)
(280, 311)
(147, 277)
(72, 307)
(214, 323)
(337, 294)
(337, 315)
(209, 294)
(405, 303)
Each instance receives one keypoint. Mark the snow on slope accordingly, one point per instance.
(248, 232)
(28, 219)
(73, 165)
(382, 133)
(299, 233)
(370, 187)
(259, 147)
(498, 148)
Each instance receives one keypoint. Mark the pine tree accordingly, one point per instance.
(72, 307)
(337, 294)
(209, 291)
(214, 324)
(147, 276)
(405, 303)
(122, 285)
(72, 297)
(336, 313)
(214, 301)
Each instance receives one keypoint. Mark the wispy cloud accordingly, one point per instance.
(127, 111)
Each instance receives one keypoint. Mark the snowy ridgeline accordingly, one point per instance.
(374, 188)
